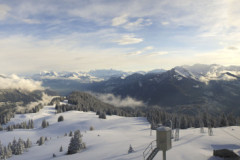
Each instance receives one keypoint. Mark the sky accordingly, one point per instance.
(128, 35)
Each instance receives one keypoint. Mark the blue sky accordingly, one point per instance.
(73, 35)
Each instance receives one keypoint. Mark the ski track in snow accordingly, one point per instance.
(111, 138)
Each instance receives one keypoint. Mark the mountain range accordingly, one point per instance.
(188, 89)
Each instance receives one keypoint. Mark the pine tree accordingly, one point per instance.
(28, 144)
(61, 149)
(32, 124)
(44, 123)
(41, 141)
(223, 121)
(176, 138)
(2, 153)
(76, 143)
(102, 115)
(130, 150)
(210, 131)
(19, 147)
(8, 152)
(14, 146)
(70, 134)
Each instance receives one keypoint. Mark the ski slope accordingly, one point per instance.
(111, 138)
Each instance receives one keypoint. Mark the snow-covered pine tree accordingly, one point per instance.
(44, 123)
(210, 131)
(201, 124)
(32, 124)
(19, 147)
(8, 152)
(14, 146)
(28, 143)
(41, 141)
(61, 149)
(70, 134)
(2, 153)
(130, 150)
(176, 138)
(76, 143)
(102, 115)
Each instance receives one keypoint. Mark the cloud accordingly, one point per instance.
(119, 20)
(118, 101)
(165, 23)
(31, 21)
(15, 82)
(129, 23)
(232, 48)
(141, 51)
(139, 23)
(128, 39)
(157, 53)
(225, 56)
(4, 9)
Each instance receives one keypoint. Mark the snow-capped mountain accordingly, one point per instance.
(88, 77)
(81, 76)
(206, 73)
(84, 77)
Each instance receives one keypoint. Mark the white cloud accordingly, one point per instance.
(148, 48)
(31, 21)
(15, 82)
(139, 23)
(119, 20)
(4, 9)
(128, 39)
(130, 24)
(157, 53)
(165, 23)
(118, 101)
(141, 51)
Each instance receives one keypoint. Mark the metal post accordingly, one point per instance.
(164, 155)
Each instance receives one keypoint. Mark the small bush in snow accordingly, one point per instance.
(91, 128)
(54, 155)
(102, 115)
(60, 118)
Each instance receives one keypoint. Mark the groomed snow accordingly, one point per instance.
(111, 138)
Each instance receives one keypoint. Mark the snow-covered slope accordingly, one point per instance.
(205, 73)
(111, 138)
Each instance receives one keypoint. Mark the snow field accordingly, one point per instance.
(111, 138)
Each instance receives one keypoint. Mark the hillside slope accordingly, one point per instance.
(111, 138)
